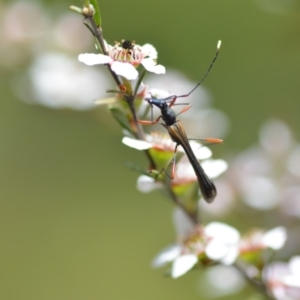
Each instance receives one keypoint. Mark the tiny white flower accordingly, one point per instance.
(214, 284)
(146, 184)
(125, 58)
(60, 82)
(295, 265)
(283, 279)
(260, 240)
(161, 141)
(293, 279)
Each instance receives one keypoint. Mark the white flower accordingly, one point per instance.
(180, 254)
(260, 240)
(283, 279)
(163, 142)
(267, 175)
(125, 58)
(146, 184)
(213, 285)
(185, 173)
(182, 263)
(60, 82)
(218, 241)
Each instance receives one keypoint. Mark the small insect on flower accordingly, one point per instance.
(178, 135)
(125, 57)
(126, 44)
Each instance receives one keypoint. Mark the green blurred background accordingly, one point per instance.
(73, 226)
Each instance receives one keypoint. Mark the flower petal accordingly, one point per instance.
(200, 151)
(216, 250)
(125, 69)
(166, 255)
(214, 168)
(222, 231)
(149, 51)
(136, 144)
(91, 59)
(226, 253)
(151, 66)
(294, 265)
(231, 255)
(183, 264)
(275, 238)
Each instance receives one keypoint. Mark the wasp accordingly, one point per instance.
(178, 135)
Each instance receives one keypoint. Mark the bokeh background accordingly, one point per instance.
(73, 225)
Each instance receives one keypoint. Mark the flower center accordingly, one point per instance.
(127, 51)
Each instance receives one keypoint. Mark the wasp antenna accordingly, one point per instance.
(205, 75)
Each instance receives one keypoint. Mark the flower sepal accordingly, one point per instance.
(188, 192)
(254, 258)
(162, 158)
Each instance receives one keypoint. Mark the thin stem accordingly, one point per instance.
(260, 287)
(99, 36)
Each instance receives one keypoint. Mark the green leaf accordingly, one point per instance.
(97, 16)
(120, 117)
